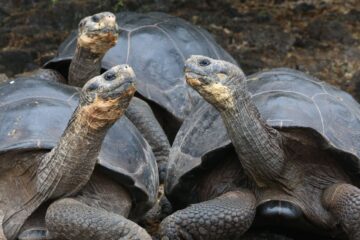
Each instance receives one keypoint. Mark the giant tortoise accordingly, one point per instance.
(61, 142)
(294, 156)
(95, 36)
(156, 45)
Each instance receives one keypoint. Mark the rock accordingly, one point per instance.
(353, 15)
(3, 13)
(330, 30)
(356, 83)
(3, 78)
(9, 57)
(304, 7)
(250, 61)
(269, 36)
(4, 35)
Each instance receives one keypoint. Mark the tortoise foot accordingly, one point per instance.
(225, 217)
(343, 201)
(71, 219)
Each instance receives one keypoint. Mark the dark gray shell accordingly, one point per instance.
(34, 114)
(286, 99)
(156, 46)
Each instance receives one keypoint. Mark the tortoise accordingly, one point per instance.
(96, 35)
(279, 142)
(156, 45)
(64, 153)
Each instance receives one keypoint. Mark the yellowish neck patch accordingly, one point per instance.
(193, 82)
(98, 43)
(216, 92)
(100, 113)
(220, 94)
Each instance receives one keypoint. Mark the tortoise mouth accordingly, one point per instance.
(194, 78)
(124, 88)
(109, 35)
(106, 30)
(98, 41)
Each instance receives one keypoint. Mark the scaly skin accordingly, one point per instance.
(141, 115)
(224, 217)
(71, 219)
(265, 152)
(343, 201)
(102, 202)
(96, 35)
(69, 166)
(83, 65)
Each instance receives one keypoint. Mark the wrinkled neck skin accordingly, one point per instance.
(68, 167)
(258, 146)
(84, 66)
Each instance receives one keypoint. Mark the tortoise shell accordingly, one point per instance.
(287, 100)
(34, 114)
(156, 45)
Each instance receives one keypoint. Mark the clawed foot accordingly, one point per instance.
(225, 217)
(343, 201)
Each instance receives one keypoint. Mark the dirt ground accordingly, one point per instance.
(318, 37)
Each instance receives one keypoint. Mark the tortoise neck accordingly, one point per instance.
(68, 167)
(258, 146)
(84, 66)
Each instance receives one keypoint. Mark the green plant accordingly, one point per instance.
(118, 5)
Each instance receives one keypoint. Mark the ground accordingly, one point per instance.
(318, 37)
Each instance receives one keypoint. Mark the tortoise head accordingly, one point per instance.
(98, 32)
(105, 98)
(215, 80)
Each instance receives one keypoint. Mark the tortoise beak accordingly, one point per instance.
(192, 78)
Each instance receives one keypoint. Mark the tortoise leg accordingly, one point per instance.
(343, 201)
(141, 115)
(70, 219)
(224, 217)
(162, 208)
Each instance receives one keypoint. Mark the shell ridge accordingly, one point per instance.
(172, 41)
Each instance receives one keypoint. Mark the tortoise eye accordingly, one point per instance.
(204, 62)
(109, 76)
(95, 18)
